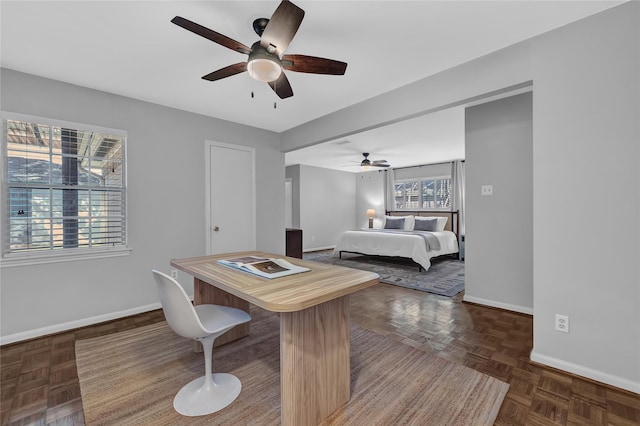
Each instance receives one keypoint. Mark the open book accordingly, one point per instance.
(268, 268)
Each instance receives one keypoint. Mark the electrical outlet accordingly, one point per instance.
(562, 323)
(486, 190)
(174, 273)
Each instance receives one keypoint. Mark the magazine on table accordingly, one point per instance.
(264, 267)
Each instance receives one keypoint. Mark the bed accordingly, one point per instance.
(417, 235)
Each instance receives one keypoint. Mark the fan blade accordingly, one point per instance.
(211, 35)
(379, 165)
(282, 26)
(313, 65)
(226, 71)
(378, 162)
(282, 87)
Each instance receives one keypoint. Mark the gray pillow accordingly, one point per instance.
(394, 223)
(425, 224)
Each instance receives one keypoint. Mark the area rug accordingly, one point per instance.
(131, 377)
(445, 276)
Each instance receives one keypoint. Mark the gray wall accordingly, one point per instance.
(327, 203)
(166, 193)
(499, 227)
(293, 173)
(370, 195)
(586, 79)
(586, 134)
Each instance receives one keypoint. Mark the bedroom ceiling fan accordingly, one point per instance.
(266, 60)
(366, 164)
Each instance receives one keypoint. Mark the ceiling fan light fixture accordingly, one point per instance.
(266, 58)
(264, 69)
(365, 166)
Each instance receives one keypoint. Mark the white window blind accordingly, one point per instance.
(63, 187)
(426, 187)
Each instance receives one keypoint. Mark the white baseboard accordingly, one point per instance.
(57, 328)
(494, 304)
(309, 250)
(619, 382)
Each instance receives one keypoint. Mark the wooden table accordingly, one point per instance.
(314, 325)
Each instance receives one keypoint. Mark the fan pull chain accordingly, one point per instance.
(275, 105)
(275, 89)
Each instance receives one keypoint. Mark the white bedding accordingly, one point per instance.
(397, 244)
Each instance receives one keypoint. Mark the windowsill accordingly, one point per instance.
(39, 259)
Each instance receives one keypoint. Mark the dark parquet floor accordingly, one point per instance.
(39, 383)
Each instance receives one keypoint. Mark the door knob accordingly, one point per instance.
(216, 229)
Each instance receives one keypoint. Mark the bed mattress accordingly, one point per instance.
(408, 244)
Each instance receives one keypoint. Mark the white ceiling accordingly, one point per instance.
(433, 138)
(132, 49)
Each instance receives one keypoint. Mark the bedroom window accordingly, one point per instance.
(427, 194)
(63, 190)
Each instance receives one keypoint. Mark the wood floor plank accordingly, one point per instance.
(39, 382)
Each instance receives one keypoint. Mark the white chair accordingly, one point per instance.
(204, 323)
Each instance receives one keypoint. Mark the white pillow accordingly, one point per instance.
(441, 221)
(408, 223)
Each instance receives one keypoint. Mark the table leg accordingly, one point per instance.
(204, 293)
(314, 362)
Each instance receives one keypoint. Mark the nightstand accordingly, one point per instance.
(294, 243)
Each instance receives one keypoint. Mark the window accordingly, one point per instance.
(432, 193)
(63, 188)
(424, 187)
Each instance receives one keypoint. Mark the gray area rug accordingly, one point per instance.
(445, 277)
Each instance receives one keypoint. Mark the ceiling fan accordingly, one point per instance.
(266, 60)
(366, 164)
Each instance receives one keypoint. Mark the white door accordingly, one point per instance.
(230, 198)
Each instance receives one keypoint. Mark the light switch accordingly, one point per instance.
(486, 190)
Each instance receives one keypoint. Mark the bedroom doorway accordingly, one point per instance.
(230, 198)
(288, 203)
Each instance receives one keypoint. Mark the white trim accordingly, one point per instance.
(207, 170)
(54, 122)
(619, 382)
(57, 328)
(494, 304)
(308, 250)
(69, 255)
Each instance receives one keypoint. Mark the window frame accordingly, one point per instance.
(420, 182)
(8, 259)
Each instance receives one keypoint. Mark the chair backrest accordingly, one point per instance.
(177, 307)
